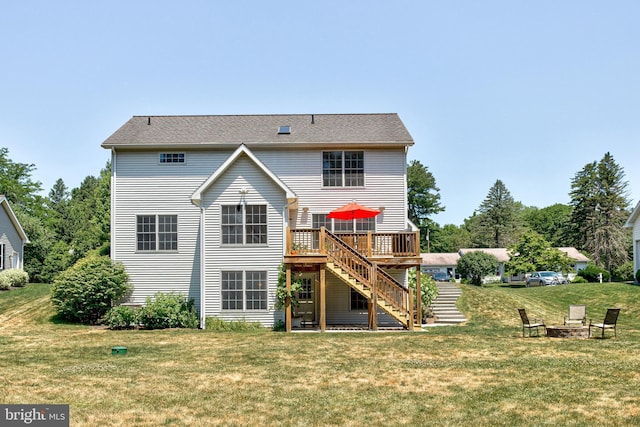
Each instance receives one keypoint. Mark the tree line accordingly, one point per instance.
(593, 221)
(67, 224)
(64, 226)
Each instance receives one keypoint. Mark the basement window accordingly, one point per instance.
(284, 130)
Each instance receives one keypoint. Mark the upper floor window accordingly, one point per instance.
(172, 157)
(157, 232)
(244, 224)
(343, 168)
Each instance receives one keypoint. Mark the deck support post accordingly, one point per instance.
(373, 301)
(323, 299)
(418, 297)
(410, 321)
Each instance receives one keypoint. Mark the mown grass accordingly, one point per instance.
(482, 373)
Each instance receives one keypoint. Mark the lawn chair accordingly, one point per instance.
(526, 324)
(610, 320)
(577, 315)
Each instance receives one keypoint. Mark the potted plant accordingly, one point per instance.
(292, 294)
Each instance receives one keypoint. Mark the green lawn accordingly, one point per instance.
(482, 374)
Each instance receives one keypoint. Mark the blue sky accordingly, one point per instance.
(525, 92)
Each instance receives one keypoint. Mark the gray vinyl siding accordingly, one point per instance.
(243, 174)
(143, 186)
(636, 245)
(10, 238)
(385, 185)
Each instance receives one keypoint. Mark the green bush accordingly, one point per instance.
(476, 265)
(220, 325)
(4, 282)
(624, 272)
(171, 310)
(592, 273)
(16, 278)
(86, 291)
(638, 276)
(428, 288)
(579, 279)
(121, 317)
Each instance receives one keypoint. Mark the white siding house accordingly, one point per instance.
(12, 238)
(634, 224)
(204, 205)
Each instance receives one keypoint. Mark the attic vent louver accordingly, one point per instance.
(284, 130)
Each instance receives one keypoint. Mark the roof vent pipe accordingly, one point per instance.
(313, 119)
(148, 121)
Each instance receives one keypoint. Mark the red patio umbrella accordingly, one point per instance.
(353, 211)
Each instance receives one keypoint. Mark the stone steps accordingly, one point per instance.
(444, 306)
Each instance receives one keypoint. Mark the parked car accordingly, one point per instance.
(561, 279)
(542, 278)
(441, 277)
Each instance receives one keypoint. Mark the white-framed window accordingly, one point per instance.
(174, 158)
(345, 226)
(244, 290)
(1, 256)
(156, 233)
(343, 168)
(244, 224)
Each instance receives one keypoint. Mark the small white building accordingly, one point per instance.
(12, 238)
(634, 224)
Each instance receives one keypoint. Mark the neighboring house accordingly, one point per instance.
(433, 262)
(12, 238)
(440, 262)
(211, 206)
(580, 261)
(634, 224)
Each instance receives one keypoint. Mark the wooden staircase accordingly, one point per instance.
(368, 279)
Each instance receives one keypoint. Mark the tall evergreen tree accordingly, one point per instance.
(499, 219)
(600, 200)
(58, 215)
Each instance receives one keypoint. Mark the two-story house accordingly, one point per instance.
(212, 206)
(12, 238)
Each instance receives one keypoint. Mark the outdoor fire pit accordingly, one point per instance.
(568, 331)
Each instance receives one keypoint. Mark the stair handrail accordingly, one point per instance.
(387, 288)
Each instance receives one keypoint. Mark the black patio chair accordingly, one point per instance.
(610, 322)
(527, 324)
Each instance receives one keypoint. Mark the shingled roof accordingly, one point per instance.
(197, 131)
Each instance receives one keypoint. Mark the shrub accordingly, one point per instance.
(169, 310)
(121, 317)
(624, 272)
(16, 278)
(428, 288)
(592, 273)
(476, 265)
(86, 291)
(4, 282)
(638, 276)
(220, 325)
(579, 279)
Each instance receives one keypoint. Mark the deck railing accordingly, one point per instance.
(369, 244)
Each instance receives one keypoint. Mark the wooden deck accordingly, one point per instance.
(358, 260)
